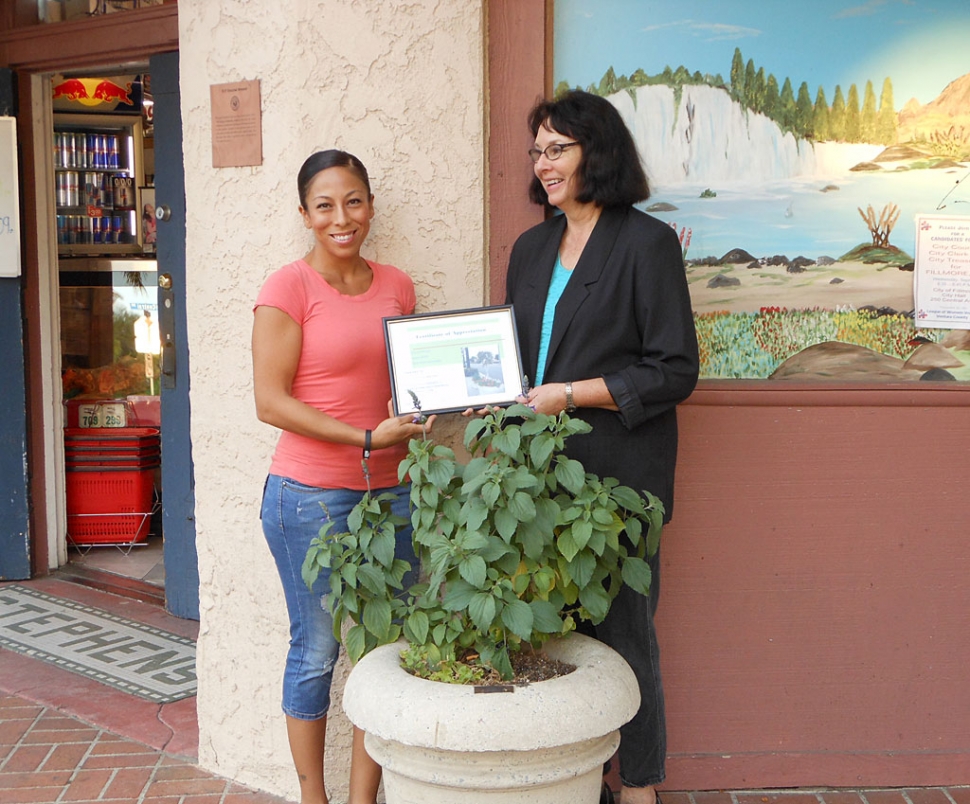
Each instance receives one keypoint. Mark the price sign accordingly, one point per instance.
(104, 414)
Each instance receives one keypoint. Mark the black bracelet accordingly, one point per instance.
(367, 436)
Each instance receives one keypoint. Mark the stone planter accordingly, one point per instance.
(544, 743)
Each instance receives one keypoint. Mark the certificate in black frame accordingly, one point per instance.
(451, 361)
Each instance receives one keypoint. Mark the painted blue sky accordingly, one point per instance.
(920, 44)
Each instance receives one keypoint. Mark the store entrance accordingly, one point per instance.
(128, 474)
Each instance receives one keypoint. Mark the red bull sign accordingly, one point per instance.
(115, 94)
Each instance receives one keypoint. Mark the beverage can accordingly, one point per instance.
(107, 232)
(120, 236)
(96, 230)
(107, 191)
(73, 196)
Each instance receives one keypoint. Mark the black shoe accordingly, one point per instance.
(606, 795)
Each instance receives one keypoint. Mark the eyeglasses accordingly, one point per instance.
(551, 152)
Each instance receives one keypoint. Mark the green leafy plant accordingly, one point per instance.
(514, 547)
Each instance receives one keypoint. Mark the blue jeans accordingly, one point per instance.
(292, 515)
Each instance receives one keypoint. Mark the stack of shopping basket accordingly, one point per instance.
(111, 475)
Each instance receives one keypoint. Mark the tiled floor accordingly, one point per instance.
(47, 756)
(142, 561)
(65, 738)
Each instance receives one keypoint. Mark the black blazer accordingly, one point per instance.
(625, 316)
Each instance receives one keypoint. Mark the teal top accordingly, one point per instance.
(560, 277)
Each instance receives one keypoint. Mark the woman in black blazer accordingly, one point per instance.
(606, 332)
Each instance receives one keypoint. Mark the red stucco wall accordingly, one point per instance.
(815, 607)
(815, 612)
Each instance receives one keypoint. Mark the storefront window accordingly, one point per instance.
(109, 331)
(63, 10)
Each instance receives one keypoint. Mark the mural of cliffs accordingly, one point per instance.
(705, 137)
(795, 208)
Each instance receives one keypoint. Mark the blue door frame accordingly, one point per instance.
(178, 476)
(14, 532)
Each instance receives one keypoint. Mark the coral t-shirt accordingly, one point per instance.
(342, 370)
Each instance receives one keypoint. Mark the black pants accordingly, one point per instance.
(629, 630)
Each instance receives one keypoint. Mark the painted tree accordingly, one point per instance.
(760, 91)
(771, 105)
(888, 124)
(737, 77)
(880, 229)
(749, 85)
(821, 121)
(607, 83)
(868, 117)
(837, 118)
(786, 103)
(853, 123)
(804, 113)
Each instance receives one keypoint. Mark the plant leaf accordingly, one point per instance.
(581, 568)
(505, 523)
(441, 472)
(416, 627)
(517, 616)
(581, 531)
(637, 575)
(482, 610)
(382, 547)
(472, 569)
(507, 441)
(541, 449)
(355, 642)
(533, 539)
(472, 430)
(545, 617)
(628, 498)
(522, 507)
(377, 618)
(458, 596)
(596, 601)
(567, 545)
(372, 579)
(570, 474)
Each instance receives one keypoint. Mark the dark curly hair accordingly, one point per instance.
(610, 171)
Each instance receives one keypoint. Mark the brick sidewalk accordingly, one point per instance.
(47, 757)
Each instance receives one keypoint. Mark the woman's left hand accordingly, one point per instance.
(395, 429)
(549, 398)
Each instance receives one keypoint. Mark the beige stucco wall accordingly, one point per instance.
(400, 84)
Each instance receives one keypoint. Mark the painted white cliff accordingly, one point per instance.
(706, 138)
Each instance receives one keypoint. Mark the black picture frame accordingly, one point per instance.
(451, 361)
